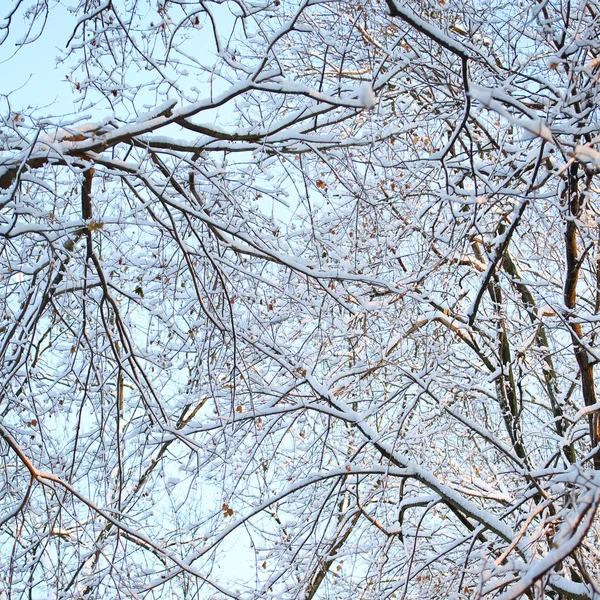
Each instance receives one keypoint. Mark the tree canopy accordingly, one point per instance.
(302, 301)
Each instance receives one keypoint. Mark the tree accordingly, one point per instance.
(314, 290)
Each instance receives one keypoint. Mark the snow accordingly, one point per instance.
(535, 128)
(571, 537)
(587, 154)
(366, 95)
(429, 29)
(496, 99)
(162, 109)
(336, 344)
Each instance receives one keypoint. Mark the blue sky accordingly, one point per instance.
(29, 73)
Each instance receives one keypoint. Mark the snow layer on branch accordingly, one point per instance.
(366, 95)
(495, 100)
(164, 108)
(586, 154)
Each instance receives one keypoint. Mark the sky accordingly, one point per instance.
(29, 73)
